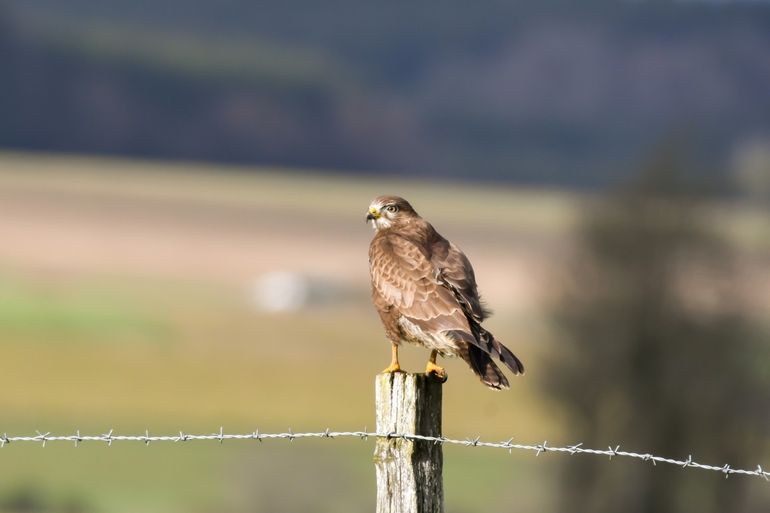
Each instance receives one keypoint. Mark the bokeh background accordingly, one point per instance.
(182, 192)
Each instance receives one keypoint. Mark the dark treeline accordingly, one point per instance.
(521, 91)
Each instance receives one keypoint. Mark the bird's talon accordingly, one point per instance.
(394, 367)
(435, 370)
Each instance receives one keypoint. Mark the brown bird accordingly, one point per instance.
(425, 291)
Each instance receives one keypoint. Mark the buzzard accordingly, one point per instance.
(425, 291)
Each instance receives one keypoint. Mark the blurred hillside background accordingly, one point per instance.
(528, 91)
(182, 193)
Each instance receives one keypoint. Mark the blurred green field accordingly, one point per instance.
(125, 303)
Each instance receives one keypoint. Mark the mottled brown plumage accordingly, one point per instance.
(425, 291)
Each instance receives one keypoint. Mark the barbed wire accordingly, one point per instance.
(221, 436)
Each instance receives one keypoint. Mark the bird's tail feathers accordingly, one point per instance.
(494, 348)
(483, 366)
(510, 360)
(479, 349)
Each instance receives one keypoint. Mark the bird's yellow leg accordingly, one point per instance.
(394, 366)
(432, 368)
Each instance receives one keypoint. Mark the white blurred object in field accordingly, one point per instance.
(286, 291)
(281, 291)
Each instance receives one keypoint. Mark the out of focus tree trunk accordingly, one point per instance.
(657, 355)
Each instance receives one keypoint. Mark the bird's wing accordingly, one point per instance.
(404, 277)
(456, 273)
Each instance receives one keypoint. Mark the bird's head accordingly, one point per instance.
(388, 211)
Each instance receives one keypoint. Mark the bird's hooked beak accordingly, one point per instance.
(372, 215)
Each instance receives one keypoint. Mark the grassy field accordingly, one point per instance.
(125, 303)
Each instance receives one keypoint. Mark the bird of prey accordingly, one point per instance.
(424, 289)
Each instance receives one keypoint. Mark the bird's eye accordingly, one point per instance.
(392, 208)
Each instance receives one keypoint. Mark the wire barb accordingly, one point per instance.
(575, 448)
(365, 434)
(42, 437)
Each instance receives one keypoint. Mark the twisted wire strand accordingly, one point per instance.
(221, 436)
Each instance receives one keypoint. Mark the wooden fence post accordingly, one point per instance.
(409, 472)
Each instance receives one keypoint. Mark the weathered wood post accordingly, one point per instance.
(409, 472)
